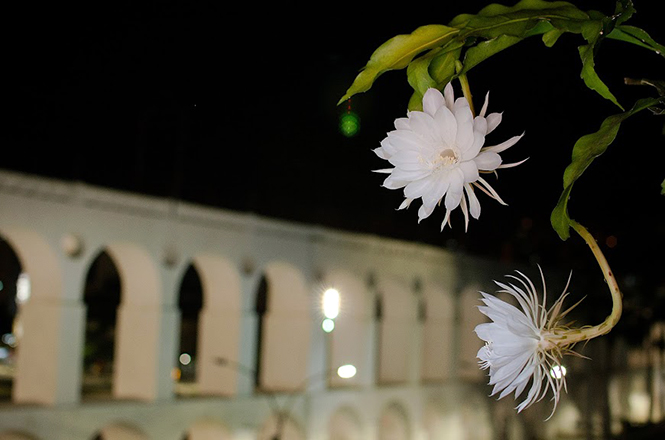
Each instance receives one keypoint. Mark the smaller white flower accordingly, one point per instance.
(523, 345)
(439, 153)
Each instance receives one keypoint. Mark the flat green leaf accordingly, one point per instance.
(397, 53)
(586, 149)
(662, 188)
(485, 49)
(551, 37)
(592, 32)
(637, 36)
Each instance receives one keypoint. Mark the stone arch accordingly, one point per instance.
(284, 329)
(219, 323)
(137, 346)
(438, 327)
(345, 424)
(39, 259)
(350, 341)
(36, 378)
(120, 431)
(394, 423)
(396, 327)
(101, 298)
(190, 304)
(208, 429)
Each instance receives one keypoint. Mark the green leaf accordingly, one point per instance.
(435, 69)
(662, 188)
(551, 37)
(637, 36)
(586, 149)
(591, 31)
(483, 50)
(397, 53)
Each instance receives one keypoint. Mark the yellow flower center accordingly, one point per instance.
(446, 158)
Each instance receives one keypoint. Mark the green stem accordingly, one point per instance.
(464, 82)
(586, 333)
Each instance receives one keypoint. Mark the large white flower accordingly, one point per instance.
(524, 344)
(439, 152)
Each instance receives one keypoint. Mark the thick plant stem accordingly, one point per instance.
(584, 334)
(467, 92)
(464, 82)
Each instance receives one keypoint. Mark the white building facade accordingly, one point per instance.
(407, 313)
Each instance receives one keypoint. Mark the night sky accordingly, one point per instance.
(235, 107)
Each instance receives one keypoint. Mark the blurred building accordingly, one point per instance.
(131, 317)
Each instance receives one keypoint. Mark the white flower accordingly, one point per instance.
(439, 152)
(523, 344)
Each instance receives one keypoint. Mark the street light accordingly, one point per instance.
(330, 306)
(282, 412)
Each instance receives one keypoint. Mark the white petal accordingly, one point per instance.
(409, 175)
(423, 125)
(381, 153)
(504, 145)
(480, 124)
(402, 124)
(484, 109)
(470, 170)
(493, 121)
(432, 101)
(405, 204)
(449, 95)
(446, 126)
(441, 182)
(416, 189)
(454, 193)
(425, 211)
(487, 161)
(474, 204)
(473, 149)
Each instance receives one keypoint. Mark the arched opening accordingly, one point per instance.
(396, 331)
(344, 425)
(190, 302)
(350, 340)
(394, 423)
(13, 293)
(101, 297)
(437, 347)
(283, 307)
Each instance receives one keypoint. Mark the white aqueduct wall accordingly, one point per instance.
(417, 377)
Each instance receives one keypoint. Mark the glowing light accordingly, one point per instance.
(331, 303)
(328, 325)
(349, 124)
(185, 359)
(22, 288)
(346, 371)
(558, 371)
(9, 339)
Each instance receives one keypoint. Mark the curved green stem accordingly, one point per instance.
(584, 334)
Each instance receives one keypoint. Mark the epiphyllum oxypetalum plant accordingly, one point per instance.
(436, 55)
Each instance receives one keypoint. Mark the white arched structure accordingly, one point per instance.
(285, 330)
(350, 342)
(219, 324)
